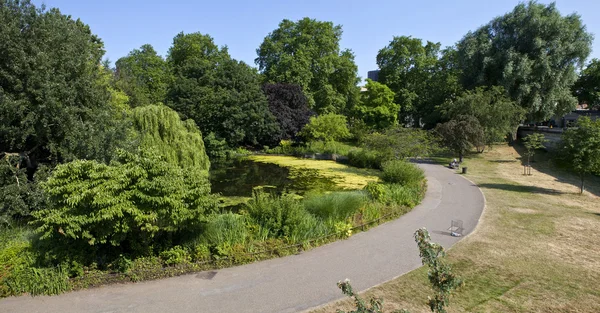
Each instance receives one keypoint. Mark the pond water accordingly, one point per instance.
(240, 177)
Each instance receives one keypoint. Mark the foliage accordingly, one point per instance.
(289, 105)
(220, 94)
(335, 206)
(127, 206)
(402, 172)
(177, 142)
(281, 216)
(365, 158)
(401, 194)
(377, 108)
(175, 255)
(587, 86)
(375, 190)
(327, 127)
(533, 52)
(460, 134)
(442, 279)
(497, 114)
(143, 75)
(225, 228)
(400, 142)
(18, 195)
(53, 104)
(533, 142)
(307, 53)
(581, 147)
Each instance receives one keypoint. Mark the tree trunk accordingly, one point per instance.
(582, 183)
(460, 157)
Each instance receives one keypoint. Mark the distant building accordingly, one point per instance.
(373, 75)
(570, 119)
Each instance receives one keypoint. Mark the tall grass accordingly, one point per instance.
(402, 172)
(336, 206)
(225, 228)
(280, 216)
(365, 158)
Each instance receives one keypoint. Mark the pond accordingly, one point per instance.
(240, 177)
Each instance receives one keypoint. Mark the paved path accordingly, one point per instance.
(294, 283)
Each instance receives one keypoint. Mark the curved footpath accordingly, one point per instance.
(294, 283)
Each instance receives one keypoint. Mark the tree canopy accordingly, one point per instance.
(377, 107)
(53, 104)
(587, 86)
(143, 75)
(307, 53)
(533, 52)
(326, 127)
(289, 105)
(581, 147)
(223, 96)
(460, 134)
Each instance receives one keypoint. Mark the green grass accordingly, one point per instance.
(336, 206)
(535, 248)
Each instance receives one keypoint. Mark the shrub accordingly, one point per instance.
(402, 195)
(365, 158)
(175, 255)
(326, 147)
(375, 190)
(326, 127)
(336, 206)
(402, 172)
(229, 227)
(121, 207)
(280, 216)
(19, 196)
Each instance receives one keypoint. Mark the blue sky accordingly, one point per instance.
(242, 25)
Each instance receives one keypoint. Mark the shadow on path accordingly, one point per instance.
(521, 188)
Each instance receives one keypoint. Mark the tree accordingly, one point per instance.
(176, 141)
(143, 75)
(307, 53)
(400, 142)
(418, 76)
(587, 86)
(460, 134)
(533, 142)
(533, 52)
(289, 105)
(53, 104)
(497, 114)
(327, 127)
(223, 96)
(581, 148)
(377, 108)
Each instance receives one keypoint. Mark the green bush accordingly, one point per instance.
(364, 158)
(126, 207)
(326, 147)
(19, 196)
(375, 190)
(406, 195)
(336, 206)
(228, 227)
(280, 216)
(326, 127)
(175, 255)
(402, 172)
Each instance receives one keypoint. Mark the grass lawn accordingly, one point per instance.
(536, 248)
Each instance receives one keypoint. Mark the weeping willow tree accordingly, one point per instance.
(162, 131)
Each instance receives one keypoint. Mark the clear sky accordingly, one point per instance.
(242, 25)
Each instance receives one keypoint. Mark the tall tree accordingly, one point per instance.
(377, 108)
(587, 86)
(143, 75)
(533, 52)
(581, 148)
(289, 105)
(53, 104)
(223, 96)
(307, 53)
(406, 66)
(498, 115)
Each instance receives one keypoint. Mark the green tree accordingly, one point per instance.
(460, 134)
(327, 127)
(53, 104)
(307, 53)
(497, 114)
(418, 76)
(143, 75)
(587, 86)
(581, 148)
(176, 141)
(223, 96)
(130, 206)
(377, 108)
(533, 142)
(533, 52)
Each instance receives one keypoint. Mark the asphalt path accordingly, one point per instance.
(294, 283)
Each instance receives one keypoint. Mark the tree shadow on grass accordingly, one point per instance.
(521, 188)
